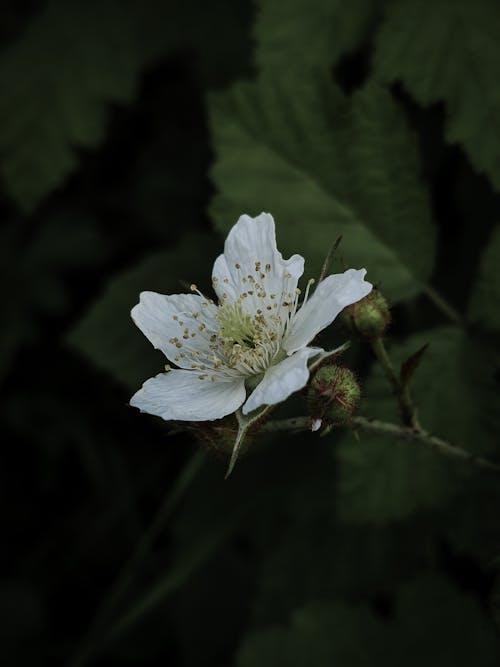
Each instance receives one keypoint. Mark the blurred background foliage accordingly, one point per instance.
(133, 133)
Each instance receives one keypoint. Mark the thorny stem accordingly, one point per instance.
(401, 389)
(394, 430)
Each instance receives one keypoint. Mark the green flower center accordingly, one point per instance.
(236, 326)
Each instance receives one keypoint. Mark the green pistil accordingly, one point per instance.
(236, 325)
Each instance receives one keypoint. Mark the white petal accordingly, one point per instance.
(282, 380)
(316, 425)
(182, 395)
(250, 254)
(331, 296)
(223, 281)
(155, 313)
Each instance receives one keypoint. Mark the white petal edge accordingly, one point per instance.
(154, 315)
(249, 241)
(331, 296)
(181, 395)
(282, 380)
(316, 425)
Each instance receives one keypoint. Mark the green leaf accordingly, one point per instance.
(381, 479)
(439, 626)
(35, 267)
(455, 390)
(432, 624)
(107, 335)
(320, 634)
(325, 28)
(349, 561)
(72, 61)
(471, 523)
(448, 50)
(485, 297)
(76, 58)
(325, 165)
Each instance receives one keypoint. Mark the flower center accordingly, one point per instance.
(235, 325)
(245, 335)
(248, 341)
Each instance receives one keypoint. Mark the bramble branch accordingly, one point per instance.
(393, 430)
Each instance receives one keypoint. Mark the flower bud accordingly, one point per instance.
(370, 316)
(333, 395)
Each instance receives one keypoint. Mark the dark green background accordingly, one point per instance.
(132, 135)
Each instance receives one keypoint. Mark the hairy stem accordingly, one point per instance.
(401, 389)
(393, 430)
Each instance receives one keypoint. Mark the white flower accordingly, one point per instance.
(255, 340)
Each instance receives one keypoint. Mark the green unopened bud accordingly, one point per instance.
(333, 396)
(370, 316)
